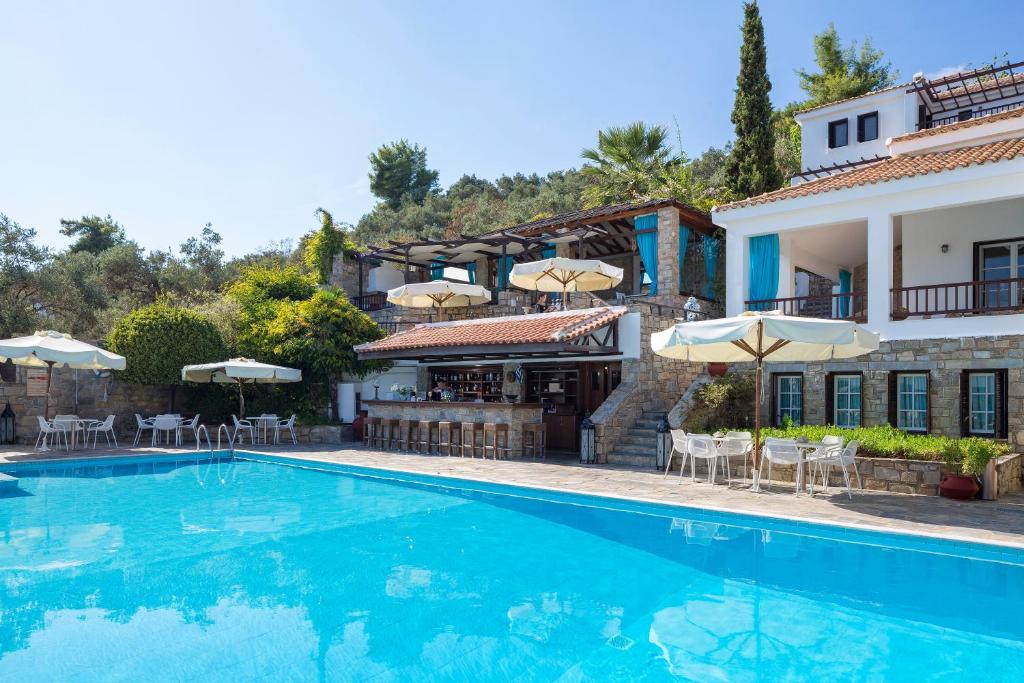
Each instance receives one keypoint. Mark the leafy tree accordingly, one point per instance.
(158, 340)
(94, 234)
(398, 171)
(318, 336)
(844, 71)
(322, 246)
(630, 163)
(752, 169)
(260, 293)
(20, 287)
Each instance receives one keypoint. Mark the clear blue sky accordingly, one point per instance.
(252, 114)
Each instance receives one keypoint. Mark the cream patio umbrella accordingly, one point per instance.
(756, 336)
(240, 371)
(565, 275)
(49, 349)
(438, 294)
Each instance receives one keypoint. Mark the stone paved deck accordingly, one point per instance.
(990, 522)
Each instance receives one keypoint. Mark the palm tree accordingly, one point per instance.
(631, 163)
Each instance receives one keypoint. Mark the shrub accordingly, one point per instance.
(888, 442)
(726, 400)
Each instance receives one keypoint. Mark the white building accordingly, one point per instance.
(909, 217)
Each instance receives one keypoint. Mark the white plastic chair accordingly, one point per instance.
(782, 451)
(143, 424)
(288, 424)
(166, 424)
(242, 426)
(106, 427)
(842, 458)
(47, 429)
(737, 444)
(189, 427)
(702, 447)
(678, 446)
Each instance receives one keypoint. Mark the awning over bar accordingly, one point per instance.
(573, 333)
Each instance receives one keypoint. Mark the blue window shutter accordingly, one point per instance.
(711, 246)
(684, 239)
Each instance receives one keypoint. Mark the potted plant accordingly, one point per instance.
(718, 369)
(970, 456)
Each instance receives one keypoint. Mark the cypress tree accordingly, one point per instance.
(752, 169)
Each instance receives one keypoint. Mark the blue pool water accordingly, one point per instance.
(257, 570)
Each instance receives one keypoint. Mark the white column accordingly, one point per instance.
(737, 270)
(879, 270)
(787, 271)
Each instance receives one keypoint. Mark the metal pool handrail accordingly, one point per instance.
(227, 433)
(206, 433)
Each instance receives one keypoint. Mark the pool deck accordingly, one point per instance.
(1000, 522)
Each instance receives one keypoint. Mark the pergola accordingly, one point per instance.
(595, 233)
(967, 90)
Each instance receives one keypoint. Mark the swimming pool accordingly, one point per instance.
(254, 568)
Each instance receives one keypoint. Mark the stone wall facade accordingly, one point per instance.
(942, 359)
(87, 395)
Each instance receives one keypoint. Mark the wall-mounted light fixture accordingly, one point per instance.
(945, 248)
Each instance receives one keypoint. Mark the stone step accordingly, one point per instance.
(639, 440)
(645, 424)
(642, 431)
(635, 449)
(632, 460)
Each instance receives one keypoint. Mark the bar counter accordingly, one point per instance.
(513, 414)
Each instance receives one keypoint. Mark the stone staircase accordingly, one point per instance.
(638, 448)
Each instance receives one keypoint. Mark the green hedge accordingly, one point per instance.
(889, 442)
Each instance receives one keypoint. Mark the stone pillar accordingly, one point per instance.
(879, 271)
(483, 271)
(565, 249)
(668, 252)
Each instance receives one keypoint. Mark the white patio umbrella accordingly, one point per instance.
(438, 294)
(49, 349)
(240, 371)
(565, 275)
(756, 336)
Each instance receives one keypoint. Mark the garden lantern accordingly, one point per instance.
(664, 442)
(7, 434)
(588, 452)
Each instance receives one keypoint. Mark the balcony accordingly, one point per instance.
(845, 306)
(955, 299)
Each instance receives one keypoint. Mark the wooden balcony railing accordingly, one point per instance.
(847, 306)
(372, 302)
(977, 297)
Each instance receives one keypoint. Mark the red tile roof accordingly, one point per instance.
(894, 168)
(855, 97)
(960, 125)
(535, 328)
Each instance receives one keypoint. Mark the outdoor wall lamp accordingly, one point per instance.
(945, 248)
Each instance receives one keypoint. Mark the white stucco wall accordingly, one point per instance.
(897, 114)
(960, 227)
(961, 193)
(385, 277)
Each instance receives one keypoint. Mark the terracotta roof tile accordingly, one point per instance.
(535, 328)
(855, 97)
(961, 125)
(894, 168)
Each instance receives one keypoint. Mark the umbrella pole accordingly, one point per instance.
(241, 401)
(49, 376)
(758, 375)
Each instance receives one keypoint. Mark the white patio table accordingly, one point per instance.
(804, 447)
(75, 425)
(264, 421)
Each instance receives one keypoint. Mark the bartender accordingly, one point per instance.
(439, 388)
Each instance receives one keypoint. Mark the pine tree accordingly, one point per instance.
(752, 169)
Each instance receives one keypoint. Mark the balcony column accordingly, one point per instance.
(668, 254)
(879, 270)
(737, 259)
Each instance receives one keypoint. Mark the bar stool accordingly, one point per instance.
(389, 432)
(405, 435)
(493, 431)
(469, 432)
(448, 434)
(371, 430)
(537, 444)
(425, 430)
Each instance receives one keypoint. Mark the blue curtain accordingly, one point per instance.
(437, 270)
(471, 270)
(549, 251)
(764, 269)
(711, 245)
(845, 287)
(684, 239)
(504, 269)
(647, 244)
